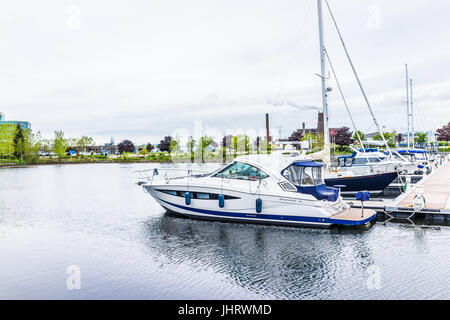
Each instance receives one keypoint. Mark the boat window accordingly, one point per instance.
(286, 186)
(361, 161)
(345, 162)
(172, 192)
(240, 170)
(304, 176)
(202, 195)
(197, 195)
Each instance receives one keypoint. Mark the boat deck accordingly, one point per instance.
(353, 217)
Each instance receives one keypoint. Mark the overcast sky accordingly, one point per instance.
(142, 69)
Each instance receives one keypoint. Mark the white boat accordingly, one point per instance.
(283, 188)
(420, 157)
(372, 161)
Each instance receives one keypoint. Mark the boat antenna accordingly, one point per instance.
(412, 112)
(407, 104)
(357, 79)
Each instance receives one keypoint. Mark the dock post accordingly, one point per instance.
(363, 196)
(362, 209)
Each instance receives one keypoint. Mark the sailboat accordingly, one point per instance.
(376, 173)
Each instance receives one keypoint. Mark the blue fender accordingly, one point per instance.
(221, 201)
(258, 205)
(187, 198)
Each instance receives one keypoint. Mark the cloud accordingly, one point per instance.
(144, 69)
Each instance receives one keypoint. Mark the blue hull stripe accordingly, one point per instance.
(274, 217)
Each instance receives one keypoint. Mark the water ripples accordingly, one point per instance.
(127, 247)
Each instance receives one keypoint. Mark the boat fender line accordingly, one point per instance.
(258, 205)
(221, 200)
(187, 198)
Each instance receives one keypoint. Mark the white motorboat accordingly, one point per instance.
(284, 188)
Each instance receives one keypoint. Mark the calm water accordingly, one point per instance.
(95, 217)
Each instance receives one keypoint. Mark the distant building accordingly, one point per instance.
(110, 148)
(314, 131)
(23, 124)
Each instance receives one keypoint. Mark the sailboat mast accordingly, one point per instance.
(412, 111)
(407, 103)
(326, 132)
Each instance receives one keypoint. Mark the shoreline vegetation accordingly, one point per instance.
(22, 147)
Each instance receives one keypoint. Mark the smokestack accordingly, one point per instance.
(320, 124)
(267, 128)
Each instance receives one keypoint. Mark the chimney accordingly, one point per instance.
(267, 129)
(320, 124)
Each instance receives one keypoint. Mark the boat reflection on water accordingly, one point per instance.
(280, 262)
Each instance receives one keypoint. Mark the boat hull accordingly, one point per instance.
(375, 182)
(276, 210)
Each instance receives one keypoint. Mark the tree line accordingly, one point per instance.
(24, 145)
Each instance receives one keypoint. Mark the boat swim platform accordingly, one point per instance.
(353, 217)
(436, 192)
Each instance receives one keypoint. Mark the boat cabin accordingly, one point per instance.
(361, 158)
(307, 178)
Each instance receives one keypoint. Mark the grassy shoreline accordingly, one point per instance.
(92, 160)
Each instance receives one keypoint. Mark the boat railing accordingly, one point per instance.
(148, 175)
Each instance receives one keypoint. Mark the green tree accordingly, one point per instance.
(32, 146)
(46, 145)
(190, 145)
(201, 149)
(361, 135)
(421, 137)
(241, 143)
(7, 134)
(84, 142)
(59, 144)
(390, 137)
(174, 146)
(19, 142)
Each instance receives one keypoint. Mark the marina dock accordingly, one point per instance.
(435, 189)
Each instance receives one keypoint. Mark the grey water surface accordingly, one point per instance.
(96, 218)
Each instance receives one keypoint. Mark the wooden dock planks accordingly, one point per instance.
(436, 190)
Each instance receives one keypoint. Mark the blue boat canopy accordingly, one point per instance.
(307, 164)
(411, 151)
(369, 150)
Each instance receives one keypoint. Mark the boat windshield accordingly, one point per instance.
(239, 170)
(304, 176)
